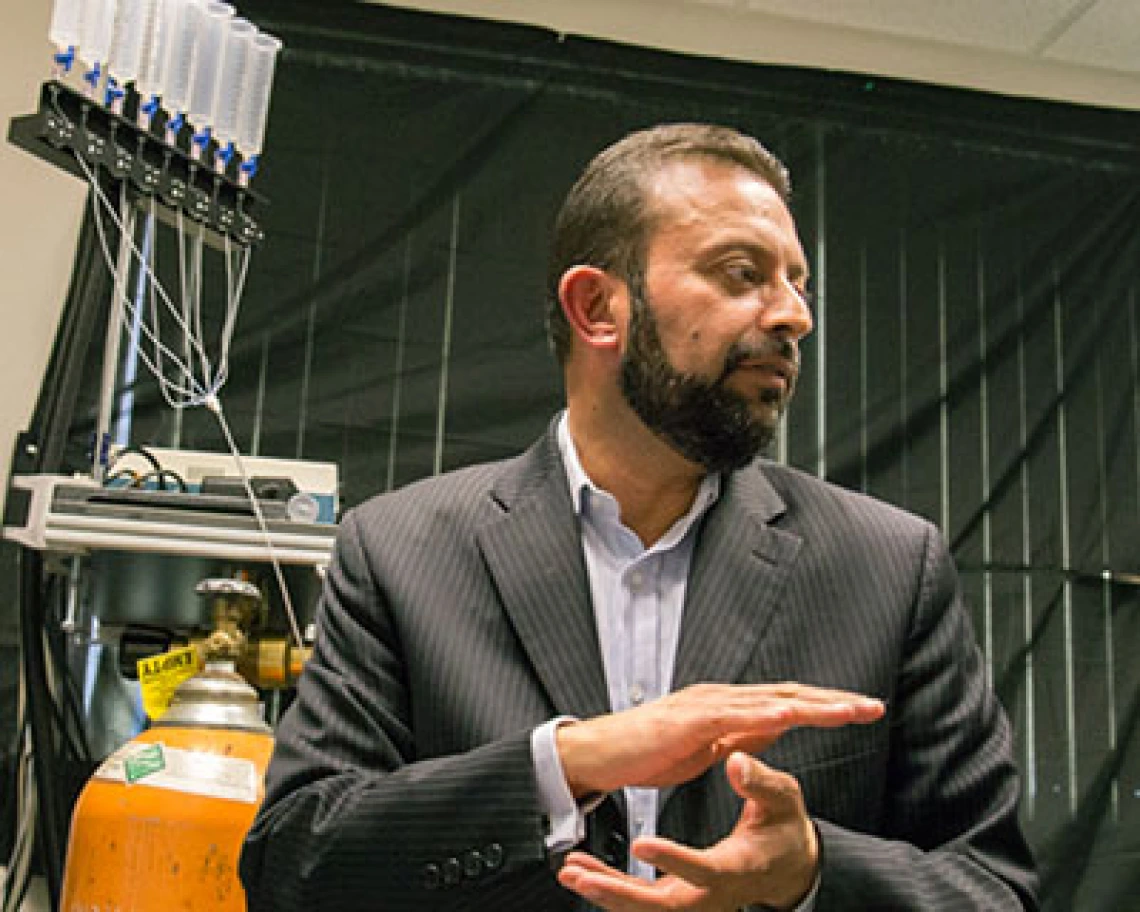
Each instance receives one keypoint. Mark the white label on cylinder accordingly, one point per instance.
(195, 772)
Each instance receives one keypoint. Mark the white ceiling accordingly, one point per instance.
(1085, 51)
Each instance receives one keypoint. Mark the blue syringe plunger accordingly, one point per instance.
(114, 93)
(174, 126)
(94, 75)
(250, 165)
(64, 59)
(200, 141)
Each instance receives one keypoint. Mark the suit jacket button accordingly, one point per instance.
(432, 878)
(615, 851)
(452, 872)
(493, 856)
(472, 864)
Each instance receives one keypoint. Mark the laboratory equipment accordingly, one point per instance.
(254, 111)
(231, 87)
(206, 71)
(134, 24)
(64, 31)
(145, 178)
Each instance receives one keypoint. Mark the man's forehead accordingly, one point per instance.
(712, 196)
(691, 184)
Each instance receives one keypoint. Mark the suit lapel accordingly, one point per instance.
(739, 570)
(534, 554)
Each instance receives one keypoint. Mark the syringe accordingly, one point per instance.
(96, 25)
(181, 43)
(133, 24)
(64, 33)
(254, 109)
(207, 68)
(231, 86)
(151, 80)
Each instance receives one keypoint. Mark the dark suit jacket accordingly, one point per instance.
(456, 617)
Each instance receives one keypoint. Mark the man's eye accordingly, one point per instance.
(742, 273)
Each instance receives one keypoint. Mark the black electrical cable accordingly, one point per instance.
(68, 715)
(32, 619)
(69, 688)
(161, 476)
(139, 450)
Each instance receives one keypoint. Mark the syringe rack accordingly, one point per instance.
(70, 125)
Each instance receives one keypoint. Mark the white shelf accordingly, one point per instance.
(66, 515)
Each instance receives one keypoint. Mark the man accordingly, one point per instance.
(636, 668)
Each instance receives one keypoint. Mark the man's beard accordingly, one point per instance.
(704, 420)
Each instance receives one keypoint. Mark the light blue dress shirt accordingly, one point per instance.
(638, 595)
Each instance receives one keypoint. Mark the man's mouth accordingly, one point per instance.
(776, 362)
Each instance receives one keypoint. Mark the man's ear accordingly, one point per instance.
(587, 295)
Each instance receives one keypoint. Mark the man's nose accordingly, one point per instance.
(786, 311)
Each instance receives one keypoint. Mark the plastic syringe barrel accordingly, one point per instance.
(64, 29)
(181, 43)
(151, 80)
(133, 24)
(254, 108)
(208, 64)
(96, 25)
(231, 83)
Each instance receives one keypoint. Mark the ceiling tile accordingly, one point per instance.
(1106, 36)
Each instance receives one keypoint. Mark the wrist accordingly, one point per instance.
(572, 743)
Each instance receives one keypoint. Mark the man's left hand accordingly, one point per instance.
(771, 858)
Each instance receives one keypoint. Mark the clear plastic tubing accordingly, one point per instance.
(254, 108)
(231, 84)
(208, 64)
(151, 80)
(96, 25)
(181, 42)
(64, 28)
(133, 24)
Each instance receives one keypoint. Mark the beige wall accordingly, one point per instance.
(41, 210)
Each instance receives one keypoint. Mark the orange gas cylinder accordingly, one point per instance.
(159, 826)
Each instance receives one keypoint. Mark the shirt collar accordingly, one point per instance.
(583, 489)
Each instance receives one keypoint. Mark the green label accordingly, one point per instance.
(147, 761)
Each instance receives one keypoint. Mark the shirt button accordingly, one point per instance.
(636, 580)
(636, 695)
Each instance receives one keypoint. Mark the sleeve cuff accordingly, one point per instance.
(566, 826)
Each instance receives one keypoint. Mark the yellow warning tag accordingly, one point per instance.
(161, 674)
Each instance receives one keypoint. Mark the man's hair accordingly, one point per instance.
(607, 217)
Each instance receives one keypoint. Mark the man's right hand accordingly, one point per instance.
(676, 738)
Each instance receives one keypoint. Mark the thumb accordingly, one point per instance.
(749, 777)
(767, 790)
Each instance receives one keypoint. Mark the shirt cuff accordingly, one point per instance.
(566, 821)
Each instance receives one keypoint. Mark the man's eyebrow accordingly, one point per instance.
(797, 271)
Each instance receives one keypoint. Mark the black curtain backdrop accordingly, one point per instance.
(975, 358)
